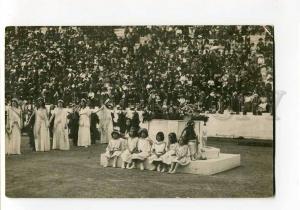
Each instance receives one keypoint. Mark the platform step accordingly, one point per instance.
(202, 167)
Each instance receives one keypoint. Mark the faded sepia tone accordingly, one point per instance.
(139, 111)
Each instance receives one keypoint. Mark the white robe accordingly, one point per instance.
(84, 133)
(105, 124)
(60, 131)
(13, 136)
(41, 131)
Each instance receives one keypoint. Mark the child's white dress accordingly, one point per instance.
(157, 150)
(170, 155)
(114, 148)
(130, 145)
(143, 149)
(182, 155)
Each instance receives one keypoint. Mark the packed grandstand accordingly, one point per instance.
(156, 68)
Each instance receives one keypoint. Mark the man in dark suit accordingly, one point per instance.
(93, 128)
(29, 129)
(74, 124)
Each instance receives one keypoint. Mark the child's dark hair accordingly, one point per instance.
(161, 135)
(134, 130)
(172, 138)
(143, 130)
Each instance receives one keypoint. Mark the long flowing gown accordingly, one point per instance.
(13, 136)
(41, 130)
(105, 124)
(60, 131)
(84, 133)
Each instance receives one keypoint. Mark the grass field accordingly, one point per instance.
(77, 174)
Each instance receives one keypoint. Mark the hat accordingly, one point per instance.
(15, 100)
(83, 100)
(60, 100)
(116, 130)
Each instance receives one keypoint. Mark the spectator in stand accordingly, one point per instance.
(146, 65)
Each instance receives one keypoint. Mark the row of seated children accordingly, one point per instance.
(138, 147)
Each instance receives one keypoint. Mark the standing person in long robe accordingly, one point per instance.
(74, 124)
(105, 122)
(29, 125)
(60, 131)
(94, 122)
(84, 133)
(41, 128)
(13, 129)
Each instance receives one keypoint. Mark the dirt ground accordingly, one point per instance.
(78, 174)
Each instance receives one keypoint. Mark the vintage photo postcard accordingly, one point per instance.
(153, 111)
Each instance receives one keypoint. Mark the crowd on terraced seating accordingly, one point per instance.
(165, 70)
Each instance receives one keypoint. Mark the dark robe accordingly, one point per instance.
(74, 126)
(188, 134)
(29, 130)
(93, 128)
(122, 122)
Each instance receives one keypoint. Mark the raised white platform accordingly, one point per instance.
(211, 152)
(219, 125)
(201, 167)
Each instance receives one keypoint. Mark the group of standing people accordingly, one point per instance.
(59, 124)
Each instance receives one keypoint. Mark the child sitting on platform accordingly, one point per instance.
(170, 155)
(182, 156)
(130, 148)
(114, 147)
(158, 149)
(143, 148)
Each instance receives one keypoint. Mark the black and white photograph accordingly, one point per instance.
(140, 111)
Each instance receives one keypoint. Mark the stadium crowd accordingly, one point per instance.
(160, 69)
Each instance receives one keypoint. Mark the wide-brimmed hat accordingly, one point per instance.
(116, 130)
(15, 100)
(60, 101)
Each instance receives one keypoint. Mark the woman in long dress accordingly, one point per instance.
(60, 131)
(13, 129)
(105, 122)
(41, 128)
(84, 133)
